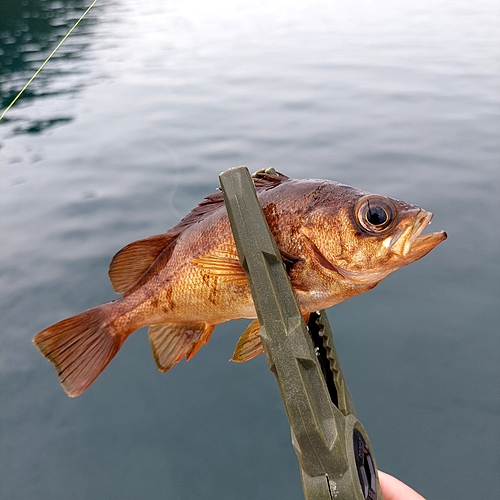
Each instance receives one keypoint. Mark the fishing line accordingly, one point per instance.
(46, 60)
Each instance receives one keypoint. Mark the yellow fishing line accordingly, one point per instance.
(46, 61)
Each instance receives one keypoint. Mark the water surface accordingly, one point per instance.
(128, 128)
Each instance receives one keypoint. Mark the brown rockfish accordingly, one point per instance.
(336, 241)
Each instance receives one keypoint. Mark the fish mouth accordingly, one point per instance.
(417, 245)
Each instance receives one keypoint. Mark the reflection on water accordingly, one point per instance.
(29, 31)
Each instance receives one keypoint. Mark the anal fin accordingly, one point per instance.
(172, 342)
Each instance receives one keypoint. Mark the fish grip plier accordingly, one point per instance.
(333, 449)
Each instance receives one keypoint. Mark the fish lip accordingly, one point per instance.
(423, 220)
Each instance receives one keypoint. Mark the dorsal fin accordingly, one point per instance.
(213, 202)
(266, 180)
(132, 261)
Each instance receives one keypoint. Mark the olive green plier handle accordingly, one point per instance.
(332, 446)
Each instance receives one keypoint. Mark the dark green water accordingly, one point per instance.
(127, 129)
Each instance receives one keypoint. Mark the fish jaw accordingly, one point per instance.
(424, 244)
(409, 244)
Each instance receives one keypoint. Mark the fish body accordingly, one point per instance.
(336, 242)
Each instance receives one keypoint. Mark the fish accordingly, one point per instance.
(336, 242)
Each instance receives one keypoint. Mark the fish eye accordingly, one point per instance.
(375, 214)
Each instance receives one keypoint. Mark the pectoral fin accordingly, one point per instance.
(224, 265)
(249, 344)
(172, 342)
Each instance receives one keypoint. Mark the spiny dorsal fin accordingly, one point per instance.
(132, 261)
(266, 180)
(249, 344)
(172, 342)
(213, 202)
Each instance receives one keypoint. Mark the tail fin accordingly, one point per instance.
(80, 348)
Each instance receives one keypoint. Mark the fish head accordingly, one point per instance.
(361, 238)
